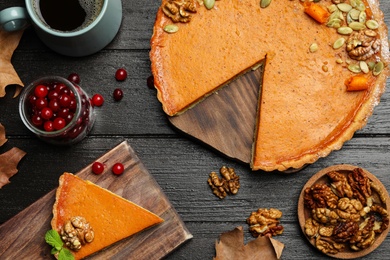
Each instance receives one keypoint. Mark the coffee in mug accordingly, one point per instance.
(70, 27)
(67, 15)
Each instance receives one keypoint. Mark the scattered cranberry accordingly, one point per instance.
(40, 91)
(121, 74)
(97, 100)
(74, 77)
(150, 82)
(118, 94)
(97, 168)
(118, 168)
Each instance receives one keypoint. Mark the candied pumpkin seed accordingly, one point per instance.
(209, 4)
(334, 23)
(379, 66)
(345, 30)
(265, 3)
(354, 14)
(356, 26)
(372, 24)
(338, 43)
(171, 28)
(371, 65)
(332, 8)
(344, 7)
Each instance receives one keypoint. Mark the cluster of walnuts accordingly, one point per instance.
(347, 212)
(179, 10)
(76, 232)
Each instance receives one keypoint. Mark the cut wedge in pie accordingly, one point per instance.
(306, 108)
(111, 217)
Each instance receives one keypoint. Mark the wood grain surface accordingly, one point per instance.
(180, 165)
(226, 119)
(23, 235)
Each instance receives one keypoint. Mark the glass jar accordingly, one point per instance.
(62, 114)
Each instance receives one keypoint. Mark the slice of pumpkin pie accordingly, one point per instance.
(325, 68)
(95, 216)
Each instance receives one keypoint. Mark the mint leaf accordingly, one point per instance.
(54, 251)
(53, 238)
(65, 254)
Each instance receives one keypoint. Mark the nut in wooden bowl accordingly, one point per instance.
(343, 211)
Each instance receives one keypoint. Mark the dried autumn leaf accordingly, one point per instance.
(8, 163)
(2, 135)
(231, 246)
(8, 76)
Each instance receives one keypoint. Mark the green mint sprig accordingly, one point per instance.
(53, 238)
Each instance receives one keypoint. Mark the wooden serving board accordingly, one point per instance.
(226, 119)
(22, 237)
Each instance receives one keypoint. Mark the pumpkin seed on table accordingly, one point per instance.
(209, 4)
(265, 3)
(171, 28)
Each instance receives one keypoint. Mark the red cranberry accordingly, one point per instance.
(121, 74)
(40, 103)
(54, 105)
(48, 126)
(97, 168)
(118, 94)
(46, 113)
(40, 91)
(118, 168)
(59, 123)
(64, 100)
(37, 120)
(74, 77)
(97, 100)
(150, 82)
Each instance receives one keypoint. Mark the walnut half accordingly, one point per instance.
(179, 10)
(76, 232)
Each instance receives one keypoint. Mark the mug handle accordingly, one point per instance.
(14, 19)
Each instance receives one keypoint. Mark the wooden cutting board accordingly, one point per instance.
(226, 119)
(22, 237)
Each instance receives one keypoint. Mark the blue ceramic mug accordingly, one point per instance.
(70, 27)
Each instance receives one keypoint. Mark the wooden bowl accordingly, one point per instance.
(304, 213)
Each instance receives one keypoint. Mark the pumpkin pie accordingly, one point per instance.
(306, 108)
(111, 217)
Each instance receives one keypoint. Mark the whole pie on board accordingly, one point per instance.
(304, 110)
(111, 217)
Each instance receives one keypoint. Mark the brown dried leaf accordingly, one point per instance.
(8, 163)
(3, 140)
(8, 76)
(231, 246)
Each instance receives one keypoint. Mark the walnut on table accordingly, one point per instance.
(228, 184)
(265, 222)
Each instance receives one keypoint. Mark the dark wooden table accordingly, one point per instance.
(180, 165)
